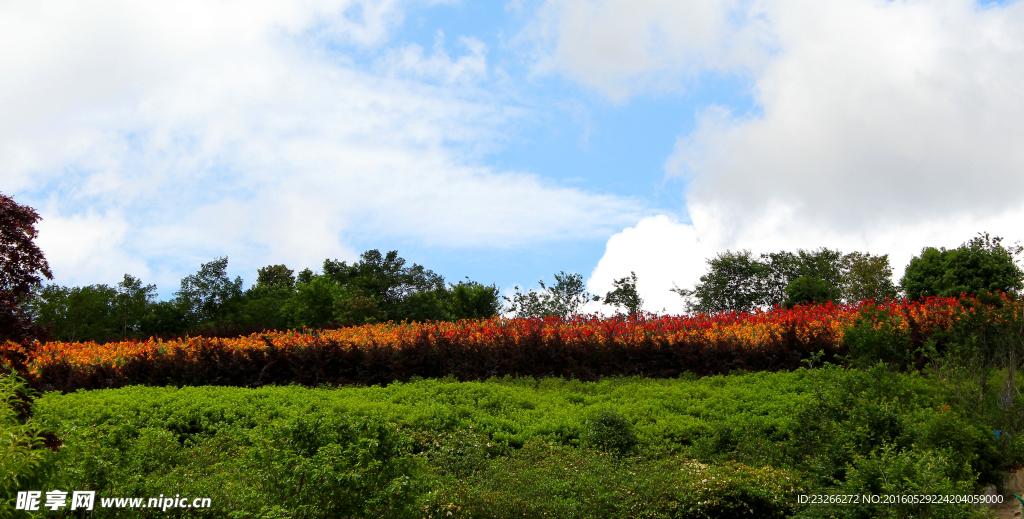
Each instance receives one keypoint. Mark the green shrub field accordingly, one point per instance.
(740, 445)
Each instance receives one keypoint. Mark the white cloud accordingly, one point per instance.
(622, 48)
(200, 129)
(662, 252)
(86, 242)
(410, 61)
(874, 114)
(880, 126)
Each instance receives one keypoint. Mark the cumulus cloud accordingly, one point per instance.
(662, 252)
(874, 114)
(190, 130)
(881, 126)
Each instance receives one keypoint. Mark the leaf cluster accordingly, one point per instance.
(21, 443)
(978, 266)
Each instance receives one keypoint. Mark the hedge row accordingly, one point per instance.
(584, 348)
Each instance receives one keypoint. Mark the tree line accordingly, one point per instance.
(376, 288)
(384, 287)
(742, 282)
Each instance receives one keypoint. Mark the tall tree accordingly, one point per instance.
(208, 294)
(22, 268)
(472, 300)
(783, 268)
(387, 280)
(625, 296)
(810, 290)
(76, 313)
(382, 287)
(313, 304)
(867, 277)
(735, 282)
(262, 306)
(981, 265)
(275, 276)
(131, 303)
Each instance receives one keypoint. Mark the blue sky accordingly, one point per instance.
(507, 141)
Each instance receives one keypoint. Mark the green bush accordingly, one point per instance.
(513, 446)
(859, 417)
(609, 431)
(972, 451)
(459, 454)
(877, 336)
(21, 445)
(332, 467)
(547, 480)
(668, 415)
(303, 467)
(891, 471)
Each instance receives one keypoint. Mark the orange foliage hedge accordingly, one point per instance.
(585, 347)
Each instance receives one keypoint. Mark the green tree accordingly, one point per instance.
(305, 276)
(472, 300)
(76, 313)
(739, 281)
(981, 265)
(563, 299)
(165, 319)
(355, 307)
(262, 305)
(867, 277)
(130, 305)
(809, 290)
(382, 287)
(275, 276)
(625, 296)
(734, 282)
(387, 279)
(262, 309)
(209, 294)
(783, 268)
(313, 304)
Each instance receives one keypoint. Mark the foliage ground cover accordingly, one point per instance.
(742, 445)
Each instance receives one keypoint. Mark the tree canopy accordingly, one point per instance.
(740, 281)
(980, 265)
(208, 294)
(625, 296)
(22, 268)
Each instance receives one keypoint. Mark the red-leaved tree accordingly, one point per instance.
(22, 266)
